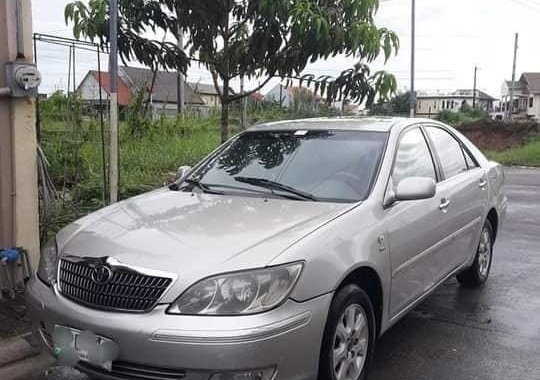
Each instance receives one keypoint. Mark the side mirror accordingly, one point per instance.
(182, 172)
(415, 188)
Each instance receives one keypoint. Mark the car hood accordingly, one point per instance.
(195, 235)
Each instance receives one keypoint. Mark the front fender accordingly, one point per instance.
(336, 250)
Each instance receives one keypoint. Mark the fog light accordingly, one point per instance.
(256, 374)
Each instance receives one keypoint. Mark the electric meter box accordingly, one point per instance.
(23, 79)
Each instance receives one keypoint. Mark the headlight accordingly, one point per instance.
(48, 263)
(239, 293)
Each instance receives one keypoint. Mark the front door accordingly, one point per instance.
(415, 229)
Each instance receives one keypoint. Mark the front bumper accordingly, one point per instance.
(287, 338)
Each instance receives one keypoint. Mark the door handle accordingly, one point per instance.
(445, 203)
(483, 183)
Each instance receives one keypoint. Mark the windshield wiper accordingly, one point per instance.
(204, 187)
(272, 185)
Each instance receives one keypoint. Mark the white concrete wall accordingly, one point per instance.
(159, 109)
(432, 106)
(211, 100)
(89, 89)
(534, 111)
(274, 94)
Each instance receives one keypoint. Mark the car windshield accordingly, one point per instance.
(321, 165)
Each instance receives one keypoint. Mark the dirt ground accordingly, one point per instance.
(490, 135)
(12, 317)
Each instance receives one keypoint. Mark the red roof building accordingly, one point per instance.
(124, 95)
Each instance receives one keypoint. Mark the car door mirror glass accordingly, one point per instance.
(182, 172)
(415, 188)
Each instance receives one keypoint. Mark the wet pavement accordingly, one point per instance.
(491, 333)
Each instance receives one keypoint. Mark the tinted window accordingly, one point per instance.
(413, 158)
(449, 152)
(332, 165)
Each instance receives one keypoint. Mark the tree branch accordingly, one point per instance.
(251, 92)
(216, 83)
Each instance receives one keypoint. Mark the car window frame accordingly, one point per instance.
(467, 151)
(462, 146)
(402, 134)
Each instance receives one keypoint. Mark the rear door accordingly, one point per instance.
(463, 195)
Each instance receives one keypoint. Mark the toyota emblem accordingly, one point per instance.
(102, 275)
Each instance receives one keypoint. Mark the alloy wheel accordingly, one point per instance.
(351, 341)
(484, 252)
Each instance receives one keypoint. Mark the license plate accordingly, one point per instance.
(72, 345)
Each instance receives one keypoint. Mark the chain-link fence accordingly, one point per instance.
(70, 131)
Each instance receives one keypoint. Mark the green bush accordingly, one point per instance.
(465, 115)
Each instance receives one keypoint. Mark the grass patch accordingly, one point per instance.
(527, 155)
(146, 161)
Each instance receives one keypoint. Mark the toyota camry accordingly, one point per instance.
(284, 254)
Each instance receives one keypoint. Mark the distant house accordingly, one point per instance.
(256, 97)
(89, 89)
(161, 89)
(163, 94)
(208, 94)
(430, 104)
(293, 97)
(526, 96)
(281, 95)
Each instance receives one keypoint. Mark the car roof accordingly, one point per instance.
(368, 124)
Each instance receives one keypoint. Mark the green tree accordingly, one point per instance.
(257, 39)
(397, 105)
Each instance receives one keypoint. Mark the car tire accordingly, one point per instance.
(349, 336)
(477, 274)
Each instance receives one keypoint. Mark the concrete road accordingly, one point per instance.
(487, 334)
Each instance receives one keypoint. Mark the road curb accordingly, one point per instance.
(27, 368)
(16, 349)
(20, 360)
(522, 167)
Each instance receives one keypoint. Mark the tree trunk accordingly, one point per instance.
(225, 111)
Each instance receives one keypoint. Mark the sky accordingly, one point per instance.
(452, 37)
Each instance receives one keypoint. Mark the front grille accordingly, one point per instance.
(126, 290)
(134, 371)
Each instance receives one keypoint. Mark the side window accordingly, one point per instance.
(413, 158)
(449, 152)
(470, 161)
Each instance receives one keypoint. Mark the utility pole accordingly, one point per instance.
(113, 68)
(413, 48)
(511, 106)
(180, 88)
(474, 88)
(243, 108)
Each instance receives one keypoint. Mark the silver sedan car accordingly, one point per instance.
(284, 254)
